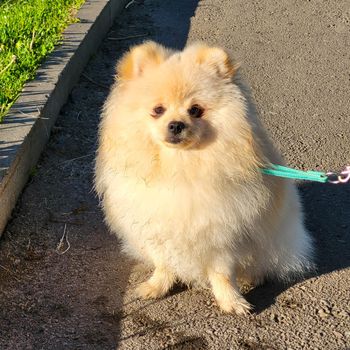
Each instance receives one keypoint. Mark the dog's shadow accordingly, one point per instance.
(327, 217)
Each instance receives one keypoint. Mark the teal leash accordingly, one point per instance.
(310, 175)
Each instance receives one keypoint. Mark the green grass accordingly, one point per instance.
(29, 30)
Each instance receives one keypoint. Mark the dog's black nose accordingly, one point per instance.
(175, 128)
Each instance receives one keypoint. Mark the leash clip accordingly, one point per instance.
(342, 177)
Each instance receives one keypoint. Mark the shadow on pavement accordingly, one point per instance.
(172, 20)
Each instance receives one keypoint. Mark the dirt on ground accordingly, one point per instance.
(64, 283)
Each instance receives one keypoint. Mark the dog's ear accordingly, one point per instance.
(215, 59)
(139, 58)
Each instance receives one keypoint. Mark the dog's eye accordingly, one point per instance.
(158, 111)
(196, 111)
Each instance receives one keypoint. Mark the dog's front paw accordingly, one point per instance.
(147, 290)
(235, 305)
(157, 285)
(227, 294)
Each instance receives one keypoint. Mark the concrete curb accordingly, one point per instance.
(26, 128)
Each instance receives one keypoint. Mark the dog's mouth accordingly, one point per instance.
(185, 139)
(178, 141)
(174, 140)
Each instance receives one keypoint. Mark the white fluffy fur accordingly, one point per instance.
(201, 213)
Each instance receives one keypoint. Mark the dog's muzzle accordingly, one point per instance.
(175, 132)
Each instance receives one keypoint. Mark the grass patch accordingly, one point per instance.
(29, 30)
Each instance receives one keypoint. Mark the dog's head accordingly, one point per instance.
(180, 98)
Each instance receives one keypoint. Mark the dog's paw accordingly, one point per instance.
(235, 305)
(147, 290)
(227, 294)
(157, 285)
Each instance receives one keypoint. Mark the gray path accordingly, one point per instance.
(295, 56)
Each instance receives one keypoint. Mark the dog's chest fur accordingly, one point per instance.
(181, 221)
